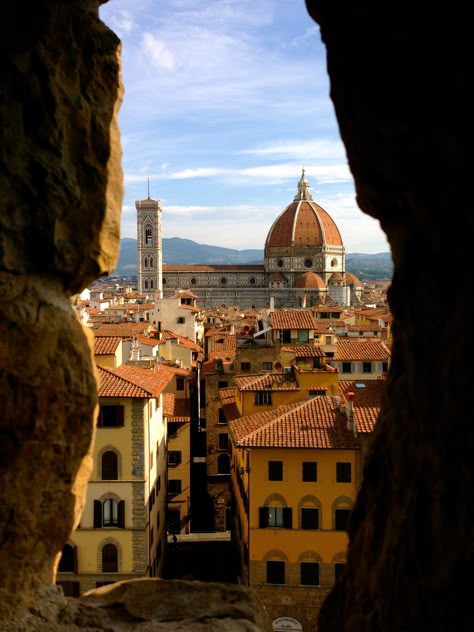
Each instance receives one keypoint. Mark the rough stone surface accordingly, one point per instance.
(398, 83)
(61, 192)
(145, 605)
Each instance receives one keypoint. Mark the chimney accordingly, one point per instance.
(350, 412)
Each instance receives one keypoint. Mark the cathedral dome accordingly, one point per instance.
(310, 280)
(351, 279)
(303, 224)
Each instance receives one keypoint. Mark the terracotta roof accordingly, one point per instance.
(146, 340)
(223, 343)
(310, 280)
(130, 381)
(313, 423)
(124, 330)
(166, 334)
(366, 403)
(181, 412)
(364, 349)
(106, 345)
(168, 404)
(227, 398)
(293, 319)
(265, 382)
(304, 351)
(351, 278)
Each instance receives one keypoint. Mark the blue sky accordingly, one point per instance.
(225, 102)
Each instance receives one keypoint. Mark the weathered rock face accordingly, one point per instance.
(61, 192)
(398, 83)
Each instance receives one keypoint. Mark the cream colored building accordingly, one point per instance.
(122, 534)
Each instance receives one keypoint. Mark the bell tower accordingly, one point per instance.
(150, 252)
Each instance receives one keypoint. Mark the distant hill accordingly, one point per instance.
(178, 251)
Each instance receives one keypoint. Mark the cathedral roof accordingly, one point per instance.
(310, 280)
(303, 223)
(352, 279)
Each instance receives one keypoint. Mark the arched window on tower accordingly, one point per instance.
(68, 561)
(151, 284)
(109, 466)
(151, 262)
(145, 262)
(146, 284)
(109, 559)
(148, 237)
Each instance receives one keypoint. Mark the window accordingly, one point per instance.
(267, 366)
(110, 416)
(275, 517)
(174, 457)
(180, 383)
(309, 518)
(174, 487)
(347, 367)
(342, 519)
(309, 573)
(328, 340)
(338, 570)
(303, 335)
(145, 262)
(151, 285)
(366, 367)
(68, 561)
(110, 513)
(109, 559)
(109, 466)
(315, 392)
(146, 284)
(285, 335)
(180, 320)
(384, 367)
(310, 471)
(223, 464)
(223, 441)
(343, 473)
(275, 470)
(275, 572)
(222, 384)
(151, 262)
(245, 366)
(148, 237)
(174, 520)
(221, 417)
(263, 398)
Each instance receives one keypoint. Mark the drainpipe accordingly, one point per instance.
(350, 413)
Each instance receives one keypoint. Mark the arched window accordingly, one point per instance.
(109, 559)
(151, 284)
(148, 237)
(68, 561)
(151, 262)
(109, 514)
(146, 284)
(223, 464)
(109, 466)
(145, 262)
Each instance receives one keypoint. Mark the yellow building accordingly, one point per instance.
(294, 479)
(122, 534)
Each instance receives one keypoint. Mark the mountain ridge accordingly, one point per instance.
(177, 251)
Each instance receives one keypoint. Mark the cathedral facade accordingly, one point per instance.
(304, 263)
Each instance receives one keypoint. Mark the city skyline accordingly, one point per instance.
(226, 101)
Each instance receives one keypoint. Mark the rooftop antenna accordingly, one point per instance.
(148, 179)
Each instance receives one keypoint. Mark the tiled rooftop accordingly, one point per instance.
(293, 319)
(130, 381)
(364, 349)
(313, 423)
(304, 351)
(366, 402)
(106, 345)
(123, 330)
(265, 382)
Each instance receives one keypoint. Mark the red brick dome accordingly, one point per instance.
(310, 280)
(303, 224)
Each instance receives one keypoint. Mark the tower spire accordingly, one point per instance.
(148, 188)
